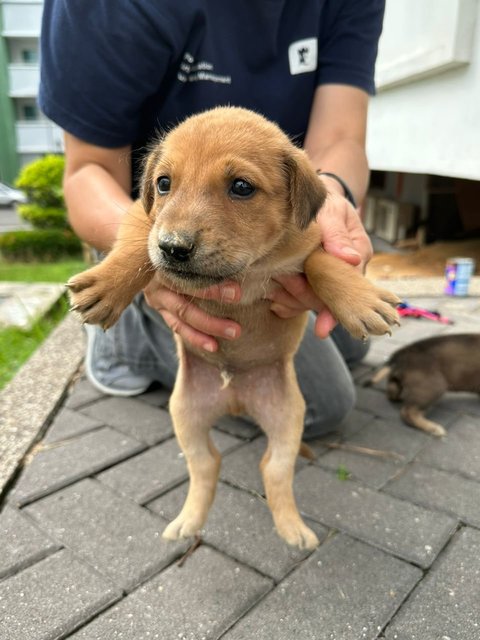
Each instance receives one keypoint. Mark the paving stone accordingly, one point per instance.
(393, 437)
(58, 466)
(418, 329)
(21, 542)
(242, 466)
(156, 397)
(241, 526)
(460, 403)
(120, 539)
(459, 451)
(82, 393)
(444, 606)
(52, 598)
(133, 417)
(439, 490)
(401, 528)
(202, 599)
(238, 427)
(156, 470)
(345, 591)
(381, 348)
(355, 421)
(68, 424)
(376, 402)
(372, 471)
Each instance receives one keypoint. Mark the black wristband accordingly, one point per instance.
(346, 190)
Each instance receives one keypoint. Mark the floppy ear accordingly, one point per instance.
(306, 191)
(147, 188)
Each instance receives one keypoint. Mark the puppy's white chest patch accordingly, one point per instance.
(226, 377)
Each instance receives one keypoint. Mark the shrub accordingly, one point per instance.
(43, 245)
(43, 217)
(42, 181)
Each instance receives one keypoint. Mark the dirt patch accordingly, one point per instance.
(429, 261)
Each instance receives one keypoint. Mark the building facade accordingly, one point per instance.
(25, 133)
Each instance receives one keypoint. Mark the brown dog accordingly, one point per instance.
(227, 196)
(419, 374)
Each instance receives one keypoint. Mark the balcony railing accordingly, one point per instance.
(23, 80)
(21, 19)
(39, 137)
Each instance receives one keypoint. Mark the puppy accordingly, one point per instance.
(419, 374)
(226, 195)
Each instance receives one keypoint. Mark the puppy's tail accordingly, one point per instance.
(378, 376)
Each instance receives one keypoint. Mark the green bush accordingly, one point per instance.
(42, 181)
(44, 245)
(43, 217)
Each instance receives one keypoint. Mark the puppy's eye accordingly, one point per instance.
(241, 188)
(163, 185)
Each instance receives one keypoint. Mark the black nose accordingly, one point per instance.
(176, 249)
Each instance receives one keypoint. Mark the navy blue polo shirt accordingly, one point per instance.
(118, 72)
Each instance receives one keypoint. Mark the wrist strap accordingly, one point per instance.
(346, 189)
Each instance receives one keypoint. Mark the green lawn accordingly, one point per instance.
(16, 345)
(40, 271)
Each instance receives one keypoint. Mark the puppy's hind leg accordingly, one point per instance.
(420, 390)
(281, 417)
(192, 420)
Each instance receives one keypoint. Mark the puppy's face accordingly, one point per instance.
(223, 189)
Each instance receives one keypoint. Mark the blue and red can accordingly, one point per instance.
(458, 272)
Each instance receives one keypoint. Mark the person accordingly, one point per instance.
(114, 75)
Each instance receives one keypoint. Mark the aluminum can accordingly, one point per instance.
(458, 272)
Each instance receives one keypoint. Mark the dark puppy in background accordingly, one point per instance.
(419, 374)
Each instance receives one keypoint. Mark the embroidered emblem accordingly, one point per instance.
(302, 56)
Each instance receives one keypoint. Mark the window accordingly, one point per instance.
(29, 112)
(29, 55)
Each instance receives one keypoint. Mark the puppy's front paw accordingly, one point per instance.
(371, 311)
(95, 298)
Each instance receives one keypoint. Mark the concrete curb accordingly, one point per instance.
(29, 400)
(422, 287)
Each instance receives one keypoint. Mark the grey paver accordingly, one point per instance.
(409, 531)
(156, 470)
(345, 591)
(241, 468)
(68, 424)
(445, 603)
(354, 422)
(83, 392)
(199, 600)
(120, 539)
(461, 403)
(241, 526)
(21, 542)
(133, 417)
(51, 598)
(56, 467)
(239, 427)
(459, 451)
(372, 471)
(376, 402)
(393, 437)
(156, 397)
(439, 490)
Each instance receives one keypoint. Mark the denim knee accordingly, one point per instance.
(322, 420)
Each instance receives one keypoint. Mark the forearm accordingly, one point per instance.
(96, 204)
(347, 159)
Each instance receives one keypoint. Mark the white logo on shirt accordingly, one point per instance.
(302, 56)
(191, 71)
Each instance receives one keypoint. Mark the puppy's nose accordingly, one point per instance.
(177, 248)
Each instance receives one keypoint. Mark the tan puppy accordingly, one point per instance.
(227, 196)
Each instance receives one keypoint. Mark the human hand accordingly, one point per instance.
(343, 235)
(193, 324)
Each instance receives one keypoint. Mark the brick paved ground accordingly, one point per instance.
(80, 531)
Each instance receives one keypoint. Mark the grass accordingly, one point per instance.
(17, 345)
(40, 271)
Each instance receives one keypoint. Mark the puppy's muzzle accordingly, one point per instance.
(177, 248)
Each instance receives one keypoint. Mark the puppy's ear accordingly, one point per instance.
(306, 191)
(147, 187)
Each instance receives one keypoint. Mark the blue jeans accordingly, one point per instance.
(143, 341)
